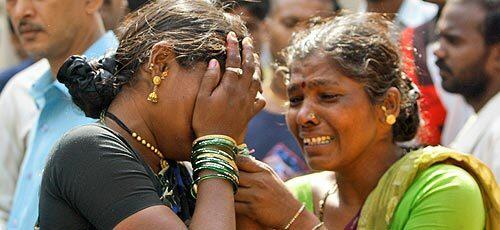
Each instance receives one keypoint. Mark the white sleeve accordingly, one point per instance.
(18, 113)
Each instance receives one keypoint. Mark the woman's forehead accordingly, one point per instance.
(313, 67)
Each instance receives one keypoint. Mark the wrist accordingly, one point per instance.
(306, 220)
(295, 217)
(212, 158)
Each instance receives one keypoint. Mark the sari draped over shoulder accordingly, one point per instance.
(380, 206)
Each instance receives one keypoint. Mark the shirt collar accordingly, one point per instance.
(104, 45)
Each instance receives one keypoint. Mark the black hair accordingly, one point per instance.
(335, 5)
(492, 22)
(364, 48)
(196, 30)
(134, 5)
(258, 8)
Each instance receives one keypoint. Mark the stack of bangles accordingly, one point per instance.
(216, 153)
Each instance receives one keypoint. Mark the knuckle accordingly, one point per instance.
(261, 184)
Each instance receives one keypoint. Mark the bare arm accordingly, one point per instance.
(214, 210)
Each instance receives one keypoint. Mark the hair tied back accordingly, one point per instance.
(92, 84)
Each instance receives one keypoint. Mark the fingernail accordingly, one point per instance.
(212, 64)
(232, 37)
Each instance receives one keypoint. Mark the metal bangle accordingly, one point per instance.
(318, 226)
(301, 209)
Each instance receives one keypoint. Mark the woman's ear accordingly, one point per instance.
(391, 104)
(161, 55)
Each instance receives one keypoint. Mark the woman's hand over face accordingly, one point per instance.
(225, 104)
(262, 195)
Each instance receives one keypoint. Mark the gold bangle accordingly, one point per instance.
(214, 136)
(318, 226)
(301, 209)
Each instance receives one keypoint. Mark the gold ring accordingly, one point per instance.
(238, 71)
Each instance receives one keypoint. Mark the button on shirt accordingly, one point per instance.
(58, 115)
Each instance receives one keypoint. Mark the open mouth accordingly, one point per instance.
(321, 140)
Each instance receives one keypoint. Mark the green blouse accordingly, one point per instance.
(441, 197)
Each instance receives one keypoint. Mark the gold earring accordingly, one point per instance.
(153, 96)
(151, 67)
(389, 119)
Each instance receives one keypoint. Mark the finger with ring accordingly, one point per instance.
(238, 71)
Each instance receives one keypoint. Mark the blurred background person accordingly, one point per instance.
(253, 14)
(408, 13)
(112, 12)
(32, 102)
(7, 74)
(267, 131)
(468, 57)
(443, 113)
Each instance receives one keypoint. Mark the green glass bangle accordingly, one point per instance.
(229, 150)
(199, 152)
(229, 174)
(232, 175)
(214, 137)
(217, 142)
(198, 167)
(213, 162)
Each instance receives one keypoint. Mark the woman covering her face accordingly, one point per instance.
(178, 75)
(349, 106)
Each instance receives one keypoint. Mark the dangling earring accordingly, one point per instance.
(389, 119)
(153, 96)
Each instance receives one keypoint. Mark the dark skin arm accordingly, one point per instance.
(264, 199)
(224, 106)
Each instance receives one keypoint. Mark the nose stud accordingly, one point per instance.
(312, 117)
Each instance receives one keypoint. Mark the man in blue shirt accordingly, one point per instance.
(55, 30)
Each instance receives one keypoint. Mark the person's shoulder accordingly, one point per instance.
(28, 76)
(87, 143)
(441, 195)
(89, 134)
(446, 177)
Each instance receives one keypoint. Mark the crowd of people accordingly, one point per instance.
(222, 114)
